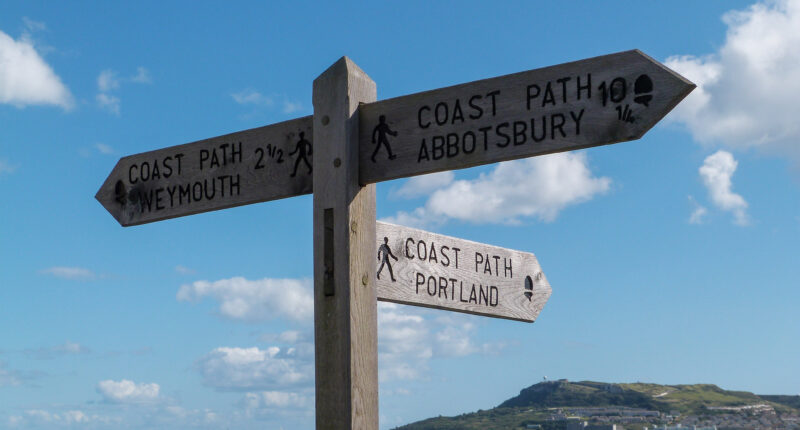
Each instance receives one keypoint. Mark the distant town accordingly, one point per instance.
(760, 416)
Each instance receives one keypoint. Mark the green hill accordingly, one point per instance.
(548, 403)
(790, 401)
(563, 393)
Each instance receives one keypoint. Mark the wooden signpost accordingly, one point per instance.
(249, 166)
(416, 267)
(598, 101)
(350, 143)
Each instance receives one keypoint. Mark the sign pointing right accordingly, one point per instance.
(421, 268)
(597, 101)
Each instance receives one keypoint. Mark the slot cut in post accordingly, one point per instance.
(328, 282)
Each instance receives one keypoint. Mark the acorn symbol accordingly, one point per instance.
(642, 89)
(528, 287)
(120, 193)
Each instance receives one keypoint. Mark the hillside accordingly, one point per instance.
(549, 403)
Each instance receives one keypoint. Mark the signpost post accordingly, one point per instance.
(350, 143)
(345, 311)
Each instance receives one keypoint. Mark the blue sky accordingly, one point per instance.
(673, 259)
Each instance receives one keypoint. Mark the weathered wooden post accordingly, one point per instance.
(345, 307)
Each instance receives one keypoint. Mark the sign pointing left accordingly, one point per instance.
(250, 166)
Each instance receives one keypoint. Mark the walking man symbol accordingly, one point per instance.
(385, 259)
(381, 130)
(303, 149)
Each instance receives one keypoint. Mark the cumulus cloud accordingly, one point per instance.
(404, 343)
(126, 391)
(26, 79)
(716, 173)
(747, 91)
(74, 273)
(243, 299)
(425, 184)
(538, 187)
(246, 369)
(409, 337)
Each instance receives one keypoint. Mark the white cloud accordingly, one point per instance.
(257, 300)
(103, 148)
(286, 337)
(40, 414)
(716, 172)
(255, 99)
(407, 342)
(107, 81)
(395, 392)
(292, 107)
(74, 273)
(698, 213)
(536, 187)
(47, 353)
(408, 337)
(404, 343)
(109, 103)
(183, 270)
(126, 391)
(252, 97)
(747, 91)
(33, 26)
(244, 369)
(68, 418)
(71, 348)
(142, 76)
(75, 417)
(6, 167)
(26, 79)
(276, 399)
(8, 377)
(454, 338)
(425, 184)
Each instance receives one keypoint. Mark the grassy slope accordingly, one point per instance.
(790, 401)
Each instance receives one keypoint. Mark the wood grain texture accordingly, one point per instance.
(236, 169)
(345, 323)
(443, 272)
(542, 111)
